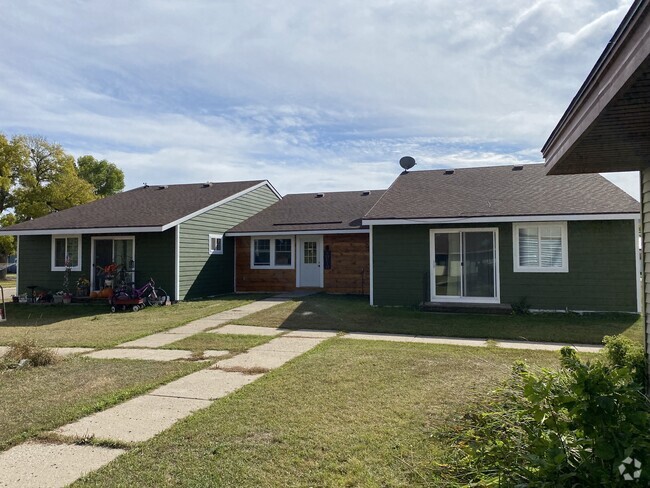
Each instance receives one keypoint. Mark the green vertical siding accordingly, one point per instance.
(155, 257)
(601, 277)
(200, 273)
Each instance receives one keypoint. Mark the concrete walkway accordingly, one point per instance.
(172, 335)
(35, 464)
(454, 341)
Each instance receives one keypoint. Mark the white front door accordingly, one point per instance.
(310, 269)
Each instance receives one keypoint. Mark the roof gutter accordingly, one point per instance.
(506, 218)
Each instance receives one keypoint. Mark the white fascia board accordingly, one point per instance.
(297, 233)
(219, 203)
(518, 218)
(98, 230)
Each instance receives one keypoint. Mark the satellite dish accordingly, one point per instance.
(407, 162)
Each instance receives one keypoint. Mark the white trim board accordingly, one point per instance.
(177, 262)
(494, 220)
(297, 233)
(372, 283)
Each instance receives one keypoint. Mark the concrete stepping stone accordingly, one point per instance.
(416, 339)
(289, 344)
(547, 346)
(214, 353)
(207, 384)
(53, 465)
(197, 326)
(247, 330)
(156, 340)
(136, 420)
(142, 354)
(258, 360)
(318, 334)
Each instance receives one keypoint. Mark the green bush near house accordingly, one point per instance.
(586, 424)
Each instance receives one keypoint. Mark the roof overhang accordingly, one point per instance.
(297, 232)
(506, 218)
(607, 125)
(99, 230)
(121, 230)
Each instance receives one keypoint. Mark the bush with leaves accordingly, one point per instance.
(571, 427)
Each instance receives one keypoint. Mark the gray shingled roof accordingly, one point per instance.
(499, 191)
(309, 212)
(153, 206)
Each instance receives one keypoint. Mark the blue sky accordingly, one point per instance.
(311, 95)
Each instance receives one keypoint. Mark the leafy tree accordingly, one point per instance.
(48, 180)
(105, 177)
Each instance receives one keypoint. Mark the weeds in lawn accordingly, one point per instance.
(28, 353)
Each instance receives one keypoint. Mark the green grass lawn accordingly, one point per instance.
(349, 313)
(235, 343)
(9, 282)
(93, 325)
(35, 400)
(348, 413)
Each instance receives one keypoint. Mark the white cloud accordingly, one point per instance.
(324, 95)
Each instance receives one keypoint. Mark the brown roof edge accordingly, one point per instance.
(630, 22)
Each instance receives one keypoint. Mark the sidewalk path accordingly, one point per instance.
(456, 341)
(34, 464)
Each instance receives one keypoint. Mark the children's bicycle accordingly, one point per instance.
(127, 296)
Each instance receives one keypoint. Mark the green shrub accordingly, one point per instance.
(29, 350)
(571, 427)
(521, 306)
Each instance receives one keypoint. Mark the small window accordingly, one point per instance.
(262, 252)
(66, 253)
(272, 252)
(216, 243)
(540, 247)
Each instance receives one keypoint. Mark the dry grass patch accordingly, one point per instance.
(34, 400)
(29, 353)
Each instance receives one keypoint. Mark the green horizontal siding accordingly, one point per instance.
(601, 277)
(200, 273)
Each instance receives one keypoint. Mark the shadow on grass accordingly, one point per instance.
(36, 315)
(354, 314)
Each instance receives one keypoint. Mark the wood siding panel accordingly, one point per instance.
(155, 254)
(601, 277)
(260, 279)
(350, 271)
(202, 274)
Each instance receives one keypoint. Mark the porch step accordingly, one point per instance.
(479, 308)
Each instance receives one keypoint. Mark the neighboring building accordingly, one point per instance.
(607, 125)
(500, 235)
(312, 240)
(173, 233)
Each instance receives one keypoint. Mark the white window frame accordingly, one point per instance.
(272, 264)
(540, 269)
(53, 251)
(219, 237)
